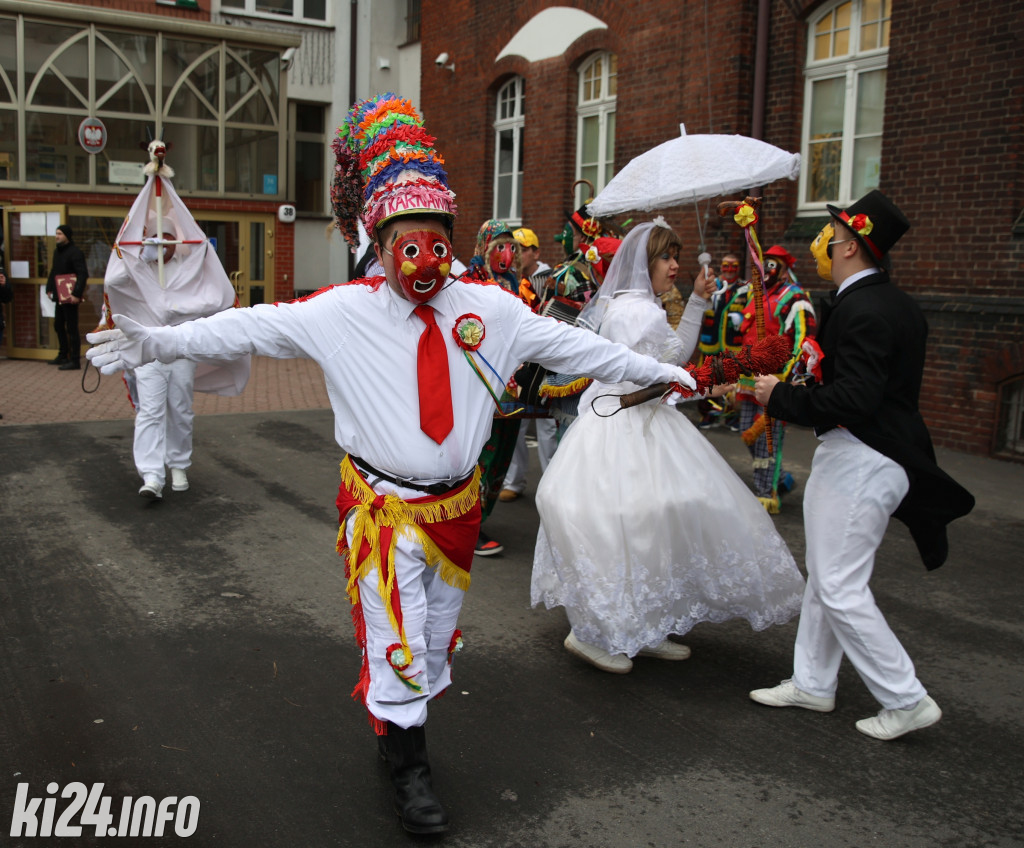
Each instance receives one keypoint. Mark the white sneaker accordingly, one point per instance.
(615, 663)
(179, 480)
(891, 724)
(667, 650)
(787, 695)
(151, 488)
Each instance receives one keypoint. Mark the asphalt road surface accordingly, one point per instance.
(201, 649)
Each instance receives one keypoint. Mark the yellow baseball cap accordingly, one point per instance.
(526, 237)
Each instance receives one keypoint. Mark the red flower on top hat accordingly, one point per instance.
(861, 225)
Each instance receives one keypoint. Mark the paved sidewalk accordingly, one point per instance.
(34, 392)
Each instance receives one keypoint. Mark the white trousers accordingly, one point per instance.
(430, 612)
(849, 496)
(163, 418)
(547, 441)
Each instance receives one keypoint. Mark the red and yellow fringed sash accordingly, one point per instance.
(444, 525)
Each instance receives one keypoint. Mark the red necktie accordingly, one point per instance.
(436, 416)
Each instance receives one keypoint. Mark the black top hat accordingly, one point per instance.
(584, 221)
(875, 220)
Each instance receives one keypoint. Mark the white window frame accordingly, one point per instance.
(158, 108)
(602, 106)
(513, 94)
(248, 9)
(294, 137)
(1011, 402)
(849, 67)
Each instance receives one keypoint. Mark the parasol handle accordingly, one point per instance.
(727, 208)
(643, 395)
(757, 290)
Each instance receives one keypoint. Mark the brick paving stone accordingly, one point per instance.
(33, 392)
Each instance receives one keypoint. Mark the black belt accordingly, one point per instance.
(432, 489)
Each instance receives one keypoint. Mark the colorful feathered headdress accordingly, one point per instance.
(386, 166)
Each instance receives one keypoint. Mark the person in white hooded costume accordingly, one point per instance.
(163, 416)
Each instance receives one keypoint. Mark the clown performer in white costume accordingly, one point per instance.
(164, 271)
(414, 364)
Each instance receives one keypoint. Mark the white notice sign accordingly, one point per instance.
(126, 173)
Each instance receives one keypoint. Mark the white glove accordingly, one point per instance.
(676, 374)
(129, 346)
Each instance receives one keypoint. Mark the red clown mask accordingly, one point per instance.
(502, 257)
(422, 260)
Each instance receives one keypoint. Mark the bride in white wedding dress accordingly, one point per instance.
(645, 529)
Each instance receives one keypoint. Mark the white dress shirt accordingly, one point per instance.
(365, 338)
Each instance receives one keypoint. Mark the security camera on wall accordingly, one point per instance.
(441, 59)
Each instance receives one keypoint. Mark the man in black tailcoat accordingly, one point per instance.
(875, 460)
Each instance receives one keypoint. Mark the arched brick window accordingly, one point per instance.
(595, 126)
(844, 101)
(508, 152)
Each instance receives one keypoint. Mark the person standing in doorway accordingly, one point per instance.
(67, 259)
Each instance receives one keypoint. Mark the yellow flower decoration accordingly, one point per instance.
(745, 215)
(469, 331)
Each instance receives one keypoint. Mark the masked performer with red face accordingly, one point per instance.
(787, 312)
(494, 261)
(413, 365)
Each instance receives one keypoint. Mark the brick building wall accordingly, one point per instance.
(951, 154)
(663, 54)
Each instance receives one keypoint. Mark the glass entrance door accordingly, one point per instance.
(29, 246)
(245, 245)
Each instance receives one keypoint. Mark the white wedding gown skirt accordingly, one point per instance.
(647, 531)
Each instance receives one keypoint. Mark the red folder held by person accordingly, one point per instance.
(65, 287)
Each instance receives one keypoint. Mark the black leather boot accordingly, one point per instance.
(415, 800)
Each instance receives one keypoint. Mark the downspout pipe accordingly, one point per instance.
(760, 68)
(353, 42)
(764, 8)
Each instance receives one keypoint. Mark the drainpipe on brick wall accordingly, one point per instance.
(760, 68)
(760, 80)
(352, 65)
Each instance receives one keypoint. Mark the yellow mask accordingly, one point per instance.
(820, 252)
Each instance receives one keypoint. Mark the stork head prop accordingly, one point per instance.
(157, 151)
